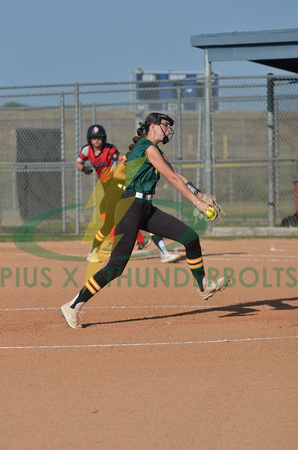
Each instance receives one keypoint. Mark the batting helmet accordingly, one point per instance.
(96, 131)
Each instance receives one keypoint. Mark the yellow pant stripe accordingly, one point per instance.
(90, 288)
(196, 266)
(99, 236)
(94, 284)
(194, 261)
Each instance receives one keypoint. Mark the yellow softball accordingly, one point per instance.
(209, 213)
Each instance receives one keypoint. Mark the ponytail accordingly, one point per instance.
(141, 132)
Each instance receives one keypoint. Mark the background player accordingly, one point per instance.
(103, 158)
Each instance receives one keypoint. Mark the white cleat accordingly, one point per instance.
(71, 316)
(169, 257)
(213, 286)
(93, 256)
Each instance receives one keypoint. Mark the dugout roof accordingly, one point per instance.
(275, 48)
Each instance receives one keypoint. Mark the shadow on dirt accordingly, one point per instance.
(148, 255)
(241, 309)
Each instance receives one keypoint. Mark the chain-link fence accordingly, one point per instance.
(252, 142)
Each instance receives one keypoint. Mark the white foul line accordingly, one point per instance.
(40, 347)
(114, 307)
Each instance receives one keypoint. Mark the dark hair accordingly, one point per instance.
(143, 127)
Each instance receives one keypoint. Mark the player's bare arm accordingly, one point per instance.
(121, 157)
(166, 169)
(80, 165)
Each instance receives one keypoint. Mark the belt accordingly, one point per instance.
(121, 186)
(145, 196)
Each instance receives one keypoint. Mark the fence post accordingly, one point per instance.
(94, 175)
(179, 135)
(77, 149)
(276, 161)
(271, 162)
(295, 181)
(63, 196)
(208, 127)
(198, 179)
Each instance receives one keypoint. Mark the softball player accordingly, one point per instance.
(135, 211)
(104, 158)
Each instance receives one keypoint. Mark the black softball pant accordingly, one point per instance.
(131, 215)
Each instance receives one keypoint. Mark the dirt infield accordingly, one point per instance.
(154, 367)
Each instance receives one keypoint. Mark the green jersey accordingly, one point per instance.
(141, 175)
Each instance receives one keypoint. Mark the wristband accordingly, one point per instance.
(87, 170)
(192, 188)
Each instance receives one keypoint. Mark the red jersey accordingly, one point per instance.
(104, 163)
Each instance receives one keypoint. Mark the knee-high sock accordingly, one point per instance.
(98, 240)
(159, 242)
(94, 284)
(196, 265)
